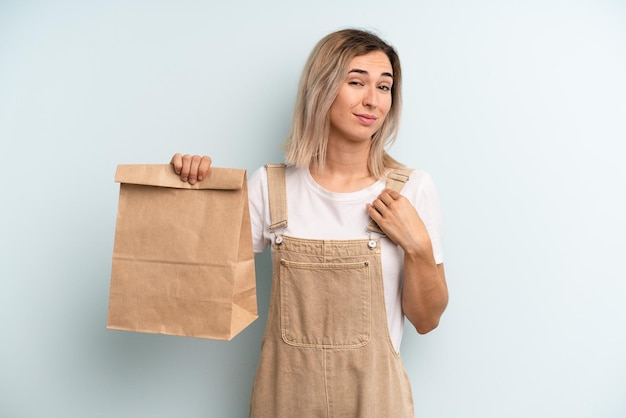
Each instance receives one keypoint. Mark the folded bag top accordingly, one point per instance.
(163, 175)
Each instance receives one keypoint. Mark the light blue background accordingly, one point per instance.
(517, 109)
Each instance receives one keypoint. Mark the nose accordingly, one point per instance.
(370, 97)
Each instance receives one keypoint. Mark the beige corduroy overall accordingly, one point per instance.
(326, 351)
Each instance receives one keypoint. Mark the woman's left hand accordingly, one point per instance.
(399, 220)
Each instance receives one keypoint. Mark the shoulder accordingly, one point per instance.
(257, 188)
(258, 175)
(419, 182)
(421, 178)
(258, 180)
(421, 191)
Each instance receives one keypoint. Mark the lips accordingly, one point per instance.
(366, 119)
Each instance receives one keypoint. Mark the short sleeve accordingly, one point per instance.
(259, 209)
(421, 191)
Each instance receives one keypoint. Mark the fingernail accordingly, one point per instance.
(184, 179)
(199, 178)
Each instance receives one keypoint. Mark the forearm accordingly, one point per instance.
(424, 293)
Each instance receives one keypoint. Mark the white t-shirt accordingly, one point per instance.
(316, 213)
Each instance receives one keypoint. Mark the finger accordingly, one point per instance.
(373, 213)
(385, 197)
(377, 217)
(203, 169)
(393, 194)
(177, 162)
(379, 205)
(193, 171)
(389, 196)
(186, 167)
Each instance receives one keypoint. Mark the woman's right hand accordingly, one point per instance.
(191, 168)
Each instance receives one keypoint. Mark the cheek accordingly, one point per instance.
(339, 110)
(387, 103)
(342, 102)
(385, 107)
(334, 113)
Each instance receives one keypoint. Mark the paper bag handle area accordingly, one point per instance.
(163, 175)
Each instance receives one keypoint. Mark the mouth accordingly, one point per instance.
(366, 119)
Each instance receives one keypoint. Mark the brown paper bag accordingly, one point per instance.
(182, 260)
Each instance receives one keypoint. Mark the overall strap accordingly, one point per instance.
(395, 181)
(277, 191)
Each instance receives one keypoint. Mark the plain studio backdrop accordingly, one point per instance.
(517, 109)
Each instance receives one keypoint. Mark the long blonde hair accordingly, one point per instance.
(323, 74)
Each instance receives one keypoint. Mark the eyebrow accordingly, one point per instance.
(359, 71)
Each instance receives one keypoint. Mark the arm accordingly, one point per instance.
(424, 293)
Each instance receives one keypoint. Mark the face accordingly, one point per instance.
(364, 99)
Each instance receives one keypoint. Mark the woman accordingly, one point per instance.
(355, 238)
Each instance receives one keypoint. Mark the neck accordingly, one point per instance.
(345, 169)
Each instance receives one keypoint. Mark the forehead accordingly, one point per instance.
(375, 62)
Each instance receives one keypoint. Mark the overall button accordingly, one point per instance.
(371, 244)
(279, 240)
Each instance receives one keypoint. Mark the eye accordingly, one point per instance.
(355, 83)
(385, 88)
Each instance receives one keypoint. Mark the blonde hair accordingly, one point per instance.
(323, 74)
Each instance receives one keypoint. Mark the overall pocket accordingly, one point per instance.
(325, 304)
